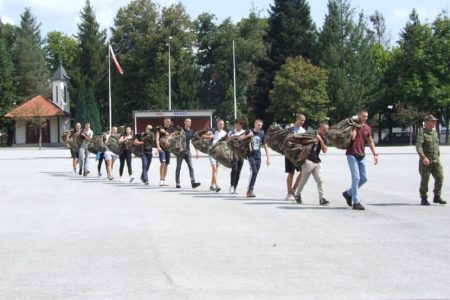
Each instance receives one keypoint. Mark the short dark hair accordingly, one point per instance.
(363, 110)
(167, 118)
(238, 121)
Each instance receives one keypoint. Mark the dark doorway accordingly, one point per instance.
(33, 133)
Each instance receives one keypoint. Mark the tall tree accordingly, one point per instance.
(291, 32)
(31, 71)
(7, 92)
(60, 49)
(92, 59)
(346, 51)
(136, 40)
(300, 86)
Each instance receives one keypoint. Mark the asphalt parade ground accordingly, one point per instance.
(65, 236)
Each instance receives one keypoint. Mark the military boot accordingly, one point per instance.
(424, 201)
(438, 199)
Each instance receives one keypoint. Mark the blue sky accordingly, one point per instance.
(63, 15)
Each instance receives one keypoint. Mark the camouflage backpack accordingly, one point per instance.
(175, 142)
(68, 138)
(276, 136)
(97, 144)
(340, 133)
(201, 144)
(223, 153)
(295, 151)
(113, 144)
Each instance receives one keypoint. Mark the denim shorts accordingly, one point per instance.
(164, 157)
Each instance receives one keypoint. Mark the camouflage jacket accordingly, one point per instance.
(427, 145)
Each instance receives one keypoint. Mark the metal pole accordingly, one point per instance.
(109, 77)
(170, 80)
(234, 82)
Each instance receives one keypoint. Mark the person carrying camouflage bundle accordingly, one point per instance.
(313, 165)
(110, 157)
(70, 138)
(215, 136)
(164, 155)
(289, 167)
(126, 153)
(356, 159)
(146, 154)
(239, 162)
(257, 137)
(87, 135)
(186, 156)
(427, 147)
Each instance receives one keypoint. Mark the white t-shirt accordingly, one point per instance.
(218, 134)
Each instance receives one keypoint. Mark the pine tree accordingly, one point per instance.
(92, 59)
(93, 115)
(31, 71)
(291, 33)
(81, 108)
(6, 75)
(346, 51)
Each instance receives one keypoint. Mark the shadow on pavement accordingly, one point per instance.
(393, 204)
(300, 207)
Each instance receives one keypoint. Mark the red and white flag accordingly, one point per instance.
(116, 63)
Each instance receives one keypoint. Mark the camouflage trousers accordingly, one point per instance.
(435, 169)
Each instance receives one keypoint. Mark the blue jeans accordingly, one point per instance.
(358, 171)
(146, 158)
(255, 164)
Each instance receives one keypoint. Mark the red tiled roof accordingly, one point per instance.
(36, 107)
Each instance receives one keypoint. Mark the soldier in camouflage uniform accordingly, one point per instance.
(428, 149)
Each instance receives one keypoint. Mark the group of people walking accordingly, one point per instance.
(427, 147)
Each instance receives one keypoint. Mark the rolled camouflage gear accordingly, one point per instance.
(175, 142)
(223, 153)
(296, 151)
(200, 143)
(67, 137)
(340, 134)
(276, 136)
(240, 148)
(113, 144)
(97, 144)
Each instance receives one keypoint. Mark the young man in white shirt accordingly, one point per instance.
(289, 166)
(215, 135)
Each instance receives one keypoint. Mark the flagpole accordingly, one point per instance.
(109, 79)
(234, 83)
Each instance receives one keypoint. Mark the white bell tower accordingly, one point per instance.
(60, 91)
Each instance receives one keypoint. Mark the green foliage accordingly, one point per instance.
(300, 86)
(291, 32)
(92, 59)
(60, 49)
(346, 51)
(93, 115)
(7, 93)
(30, 67)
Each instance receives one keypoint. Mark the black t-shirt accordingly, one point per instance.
(189, 135)
(257, 140)
(314, 155)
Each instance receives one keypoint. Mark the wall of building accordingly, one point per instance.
(21, 132)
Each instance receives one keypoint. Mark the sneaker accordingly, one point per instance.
(298, 198)
(146, 183)
(348, 198)
(358, 206)
(165, 183)
(424, 202)
(324, 202)
(161, 182)
(120, 179)
(80, 172)
(74, 169)
(438, 200)
(110, 178)
(290, 196)
(178, 186)
(231, 190)
(218, 189)
(235, 191)
(99, 174)
(86, 173)
(131, 179)
(250, 195)
(212, 188)
(196, 185)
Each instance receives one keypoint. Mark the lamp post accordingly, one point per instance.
(170, 79)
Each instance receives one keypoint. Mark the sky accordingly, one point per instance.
(63, 15)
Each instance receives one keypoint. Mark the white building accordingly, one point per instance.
(55, 114)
